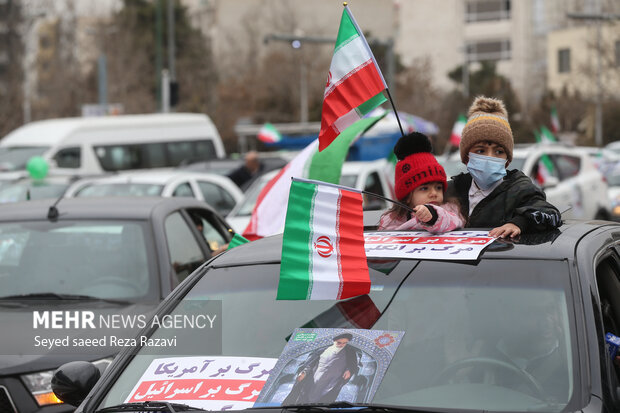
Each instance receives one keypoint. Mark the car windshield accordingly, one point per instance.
(496, 336)
(129, 189)
(15, 158)
(76, 257)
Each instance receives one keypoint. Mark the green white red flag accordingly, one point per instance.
(269, 134)
(323, 255)
(457, 130)
(354, 83)
(269, 213)
(555, 120)
(546, 136)
(545, 165)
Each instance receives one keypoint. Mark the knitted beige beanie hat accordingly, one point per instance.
(488, 121)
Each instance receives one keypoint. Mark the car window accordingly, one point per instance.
(183, 190)
(68, 157)
(106, 259)
(121, 189)
(567, 166)
(217, 197)
(13, 158)
(373, 185)
(211, 229)
(185, 253)
(543, 168)
(25, 191)
(608, 284)
(452, 343)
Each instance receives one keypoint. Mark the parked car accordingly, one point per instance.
(613, 193)
(218, 191)
(118, 255)
(613, 146)
(269, 161)
(602, 158)
(521, 329)
(369, 176)
(26, 189)
(573, 184)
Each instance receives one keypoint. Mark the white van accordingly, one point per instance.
(96, 145)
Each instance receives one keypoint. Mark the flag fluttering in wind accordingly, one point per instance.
(555, 120)
(323, 255)
(269, 212)
(269, 134)
(354, 83)
(546, 136)
(236, 241)
(545, 165)
(457, 130)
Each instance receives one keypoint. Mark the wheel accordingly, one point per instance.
(490, 363)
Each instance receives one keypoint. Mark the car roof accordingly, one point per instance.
(97, 208)
(58, 129)
(550, 245)
(160, 176)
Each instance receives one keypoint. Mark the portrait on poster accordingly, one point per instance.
(325, 365)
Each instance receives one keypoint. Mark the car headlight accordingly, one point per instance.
(40, 385)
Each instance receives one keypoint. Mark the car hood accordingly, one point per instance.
(18, 353)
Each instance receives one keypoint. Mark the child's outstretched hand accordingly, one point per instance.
(422, 213)
(506, 230)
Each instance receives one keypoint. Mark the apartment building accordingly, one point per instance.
(573, 56)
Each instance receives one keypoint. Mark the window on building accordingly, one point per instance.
(564, 60)
(487, 10)
(488, 50)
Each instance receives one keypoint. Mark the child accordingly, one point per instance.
(489, 195)
(420, 182)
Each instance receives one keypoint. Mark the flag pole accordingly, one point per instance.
(395, 112)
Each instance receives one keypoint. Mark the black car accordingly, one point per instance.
(116, 256)
(520, 329)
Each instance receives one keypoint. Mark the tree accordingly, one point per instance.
(11, 92)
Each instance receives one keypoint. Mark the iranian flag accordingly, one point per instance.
(457, 130)
(546, 136)
(545, 165)
(269, 213)
(323, 255)
(555, 120)
(269, 134)
(354, 83)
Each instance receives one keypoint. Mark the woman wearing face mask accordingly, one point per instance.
(489, 195)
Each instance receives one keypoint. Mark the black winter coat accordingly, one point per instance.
(516, 200)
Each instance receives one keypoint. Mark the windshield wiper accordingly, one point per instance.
(56, 296)
(359, 407)
(149, 407)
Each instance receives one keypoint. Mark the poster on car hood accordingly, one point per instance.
(210, 383)
(324, 365)
(421, 245)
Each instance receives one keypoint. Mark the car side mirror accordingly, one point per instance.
(550, 182)
(72, 381)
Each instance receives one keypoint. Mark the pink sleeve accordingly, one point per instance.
(448, 219)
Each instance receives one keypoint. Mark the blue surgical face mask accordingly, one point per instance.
(486, 170)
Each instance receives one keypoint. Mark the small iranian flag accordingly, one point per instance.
(354, 82)
(545, 165)
(546, 136)
(555, 120)
(269, 134)
(323, 256)
(457, 130)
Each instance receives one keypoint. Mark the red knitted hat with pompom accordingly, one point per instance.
(416, 164)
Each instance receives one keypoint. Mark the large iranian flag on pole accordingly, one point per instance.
(269, 212)
(354, 82)
(323, 256)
